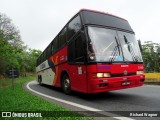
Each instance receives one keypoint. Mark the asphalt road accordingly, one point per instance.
(143, 99)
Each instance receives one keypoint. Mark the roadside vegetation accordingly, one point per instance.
(13, 52)
(151, 58)
(18, 99)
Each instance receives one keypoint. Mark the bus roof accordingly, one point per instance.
(84, 9)
(93, 17)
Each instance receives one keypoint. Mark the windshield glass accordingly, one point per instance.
(106, 45)
(130, 47)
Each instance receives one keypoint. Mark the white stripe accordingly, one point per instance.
(71, 103)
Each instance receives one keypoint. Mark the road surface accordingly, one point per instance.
(136, 101)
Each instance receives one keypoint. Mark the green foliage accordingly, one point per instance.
(151, 56)
(32, 56)
(13, 52)
(18, 99)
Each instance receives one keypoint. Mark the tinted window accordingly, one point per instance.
(105, 20)
(54, 46)
(40, 59)
(48, 51)
(75, 53)
(78, 48)
(62, 38)
(44, 55)
(73, 27)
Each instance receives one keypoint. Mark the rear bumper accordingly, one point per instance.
(117, 83)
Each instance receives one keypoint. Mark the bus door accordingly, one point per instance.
(77, 67)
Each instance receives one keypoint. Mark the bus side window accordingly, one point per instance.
(44, 56)
(48, 53)
(79, 57)
(75, 51)
(40, 59)
(54, 46)
(62, 38)
(73, 27)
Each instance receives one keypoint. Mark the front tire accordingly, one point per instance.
(66, 85)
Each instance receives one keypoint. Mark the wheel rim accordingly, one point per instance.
(66, 84)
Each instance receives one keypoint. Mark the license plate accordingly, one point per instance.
(125, 83)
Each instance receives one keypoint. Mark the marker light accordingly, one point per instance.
(101, 75)
(140, 72)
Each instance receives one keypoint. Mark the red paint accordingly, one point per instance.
(86, 83)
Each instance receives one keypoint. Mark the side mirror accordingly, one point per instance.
(140, 45)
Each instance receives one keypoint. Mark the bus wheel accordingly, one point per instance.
(66, 86)
(40, 80)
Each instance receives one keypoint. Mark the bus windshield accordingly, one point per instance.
(106, 45)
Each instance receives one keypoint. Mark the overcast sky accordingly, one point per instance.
(39, 21)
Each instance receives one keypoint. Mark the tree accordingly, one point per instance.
(10, 42)
(151, 56)
(31, 59)
(13, 52)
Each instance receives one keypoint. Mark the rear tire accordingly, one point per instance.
(66, 86)
(40, 80)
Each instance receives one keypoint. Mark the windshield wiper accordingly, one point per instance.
(114, 54)
(116, 50)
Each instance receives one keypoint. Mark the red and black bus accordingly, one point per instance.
(94, 52)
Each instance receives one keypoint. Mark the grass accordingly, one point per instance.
(152, 77)
(5, 82)
(20, 100)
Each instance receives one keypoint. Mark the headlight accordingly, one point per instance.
(140, 72)
(101, 75)
(106, 75)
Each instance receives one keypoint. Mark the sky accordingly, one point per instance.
(39, 21)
